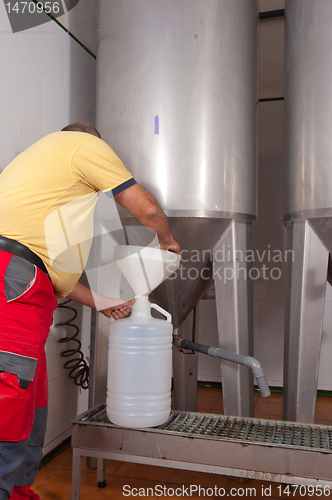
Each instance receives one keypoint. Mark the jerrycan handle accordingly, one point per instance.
(162, 311)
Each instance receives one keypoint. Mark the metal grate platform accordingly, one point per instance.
(246, 430)
(251, 430)
(263, 449)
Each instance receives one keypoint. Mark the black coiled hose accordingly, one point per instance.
(79, 369)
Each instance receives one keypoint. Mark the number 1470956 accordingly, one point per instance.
(304, 490)
(32, 7)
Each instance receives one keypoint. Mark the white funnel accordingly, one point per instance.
(144, 267)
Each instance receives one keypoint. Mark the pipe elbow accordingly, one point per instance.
(259, 375)
(255, 366)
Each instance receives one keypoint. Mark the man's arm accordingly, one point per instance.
(142, 205)
(107, 306)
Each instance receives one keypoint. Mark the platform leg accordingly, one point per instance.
(305, 297)
(234, 302)
(185, 372)
(76, 476)
(101, 465)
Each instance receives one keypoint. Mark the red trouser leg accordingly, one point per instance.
(27, 472)
(24, 326)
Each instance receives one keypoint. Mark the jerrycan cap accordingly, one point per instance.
(144, 267)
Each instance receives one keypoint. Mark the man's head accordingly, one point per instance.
(81, 127)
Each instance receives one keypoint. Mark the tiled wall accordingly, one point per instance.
(47, 81)
(269, 295)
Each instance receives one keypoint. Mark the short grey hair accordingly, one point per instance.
(82, 127)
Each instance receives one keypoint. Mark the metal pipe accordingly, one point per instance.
(216, 352)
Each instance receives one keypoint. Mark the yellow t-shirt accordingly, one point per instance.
(48, 195)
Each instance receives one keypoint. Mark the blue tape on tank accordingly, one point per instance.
(156, 124)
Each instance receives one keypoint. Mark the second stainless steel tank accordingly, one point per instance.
(308, 196)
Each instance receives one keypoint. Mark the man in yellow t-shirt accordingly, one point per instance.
(47, 199)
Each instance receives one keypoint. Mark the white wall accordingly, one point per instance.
(47, 81)
(269, 295)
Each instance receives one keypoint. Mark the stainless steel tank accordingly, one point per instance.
(308, 196)
(177, 101)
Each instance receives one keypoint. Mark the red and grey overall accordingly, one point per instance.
(27, 303)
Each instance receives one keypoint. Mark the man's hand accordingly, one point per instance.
(118, 311)
(171, 246)
(106, 305)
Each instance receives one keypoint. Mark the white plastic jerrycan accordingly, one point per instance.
(140, 367)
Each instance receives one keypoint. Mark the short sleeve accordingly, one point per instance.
(96, 165)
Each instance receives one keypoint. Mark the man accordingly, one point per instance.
(47, 199)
